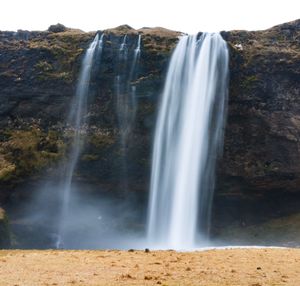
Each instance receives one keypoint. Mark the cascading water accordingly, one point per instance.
(136, 57)
(188, 137)
(126, 98)
(132, 78)
(120, 80)
(123, 52)
(126, 102)
(77, 122)
(137, 51)
(131, 90)
(99, 47)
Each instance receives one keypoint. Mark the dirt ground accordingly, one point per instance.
(251, 267)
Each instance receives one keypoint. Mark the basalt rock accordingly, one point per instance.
(259, 174)
(5, 235)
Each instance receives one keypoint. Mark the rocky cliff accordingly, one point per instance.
(38, 76)
(259, 173)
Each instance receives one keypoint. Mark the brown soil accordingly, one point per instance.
(251, 267)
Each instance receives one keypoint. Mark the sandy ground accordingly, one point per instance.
(251, 267)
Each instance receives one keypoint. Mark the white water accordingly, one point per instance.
(188, 137)
(123, 51)
(77, 123)
(137, 51)
(136, 57)
(132, 78)
(100, 46)
(125, 89)
(126, 102)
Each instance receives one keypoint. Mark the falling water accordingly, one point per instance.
(138, 48)
(100, 47)
(123, 51)
(188, 137)
(126, 97)
(126, 101)
(136, 57)
(132, 83)
(77, 122)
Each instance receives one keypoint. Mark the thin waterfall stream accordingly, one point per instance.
(188, 138)
(126, 101)
(77, 122)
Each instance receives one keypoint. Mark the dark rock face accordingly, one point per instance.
(5, 240)
(261, 160)
(38, 79)
(258, 177)
(263, 119)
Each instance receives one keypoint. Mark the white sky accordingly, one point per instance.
(188, 16)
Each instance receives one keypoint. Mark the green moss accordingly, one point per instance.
(61, 53)
(7, 171)
(249, 81)
(98, 146)
(101, 140)
(89, 157)
(24, 152)
(44, 66)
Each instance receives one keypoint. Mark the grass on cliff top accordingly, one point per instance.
(282, 39)
(64, 49)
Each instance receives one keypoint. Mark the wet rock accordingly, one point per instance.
(5, 235)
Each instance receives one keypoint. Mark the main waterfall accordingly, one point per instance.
(188, 137)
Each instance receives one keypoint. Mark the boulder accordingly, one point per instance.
(57, 28)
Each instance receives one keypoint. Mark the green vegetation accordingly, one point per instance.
(26, 151)
(101, 140)
(61, 51)
(249, 81)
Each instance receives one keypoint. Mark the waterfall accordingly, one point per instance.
(120, 83)
(126, 98)
(131, 89)
(100, 47)
(77, 122)
(125, 88)
(136, 57)
(132, 78)
(188, 138)
(123, 51)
